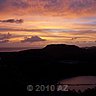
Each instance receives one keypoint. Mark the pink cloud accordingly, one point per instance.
(51, 7)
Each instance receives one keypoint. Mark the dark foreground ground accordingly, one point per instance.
(45, 66)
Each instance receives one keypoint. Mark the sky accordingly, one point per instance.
(37, 23)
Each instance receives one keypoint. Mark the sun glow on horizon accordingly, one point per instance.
(47, 21)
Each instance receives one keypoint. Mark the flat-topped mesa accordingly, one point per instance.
(61, 47)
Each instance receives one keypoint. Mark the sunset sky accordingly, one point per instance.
(37, 23)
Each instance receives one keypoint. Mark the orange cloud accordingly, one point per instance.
(66, 8)
(58, 21)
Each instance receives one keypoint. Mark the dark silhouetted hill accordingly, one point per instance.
(45, 66)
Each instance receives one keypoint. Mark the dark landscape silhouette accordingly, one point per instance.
(46, 66)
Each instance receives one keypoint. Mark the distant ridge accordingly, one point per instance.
(61, 51)
(60, 45)
(57, 52)
(48, 47)
(48, 65)
(55, 46)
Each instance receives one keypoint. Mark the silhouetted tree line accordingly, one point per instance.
(87, 92)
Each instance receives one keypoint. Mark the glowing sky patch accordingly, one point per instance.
(56, 21)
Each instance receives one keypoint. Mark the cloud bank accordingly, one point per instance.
(50, 7)
(33, 39)
(4, 41)
(12, 21)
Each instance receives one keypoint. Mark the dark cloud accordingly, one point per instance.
(33, 39)
(5, 36)
(84, 32)
(12, 21)
(4, 41)
(27, 30)
(5, 29)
